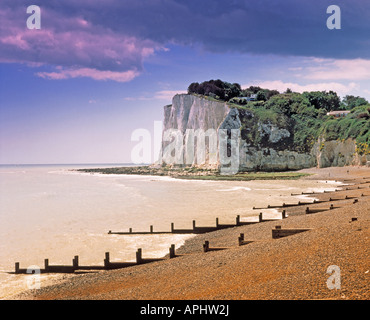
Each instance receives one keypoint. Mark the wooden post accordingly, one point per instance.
(17, 267)
(106, 260)
(260, 217)
(193, 224)
(151, 229)
(75, 262)
(206, 246)
(139, 258)
(172, 251)
(283, 214)
(241, 239)
(307, 210)
(216, 222)
(331, 207)
(278, 232)
(172, 227)
(46, 262)
(237, 220)
(130, 230)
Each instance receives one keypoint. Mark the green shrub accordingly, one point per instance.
(304, 115)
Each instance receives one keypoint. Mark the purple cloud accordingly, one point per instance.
(119, 76)
(111, 39)
(72, 45)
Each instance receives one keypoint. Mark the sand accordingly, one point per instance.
(293, 267)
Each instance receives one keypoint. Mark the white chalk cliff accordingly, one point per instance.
(189, 115)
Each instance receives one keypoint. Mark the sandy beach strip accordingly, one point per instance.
(293, 267)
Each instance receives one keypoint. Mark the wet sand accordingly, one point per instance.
(293, 267)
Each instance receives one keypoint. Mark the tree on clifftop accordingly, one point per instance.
(323, 100)
(349, 102)
(217, 88)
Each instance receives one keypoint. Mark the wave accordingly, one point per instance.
(235, 189)
(12, 172)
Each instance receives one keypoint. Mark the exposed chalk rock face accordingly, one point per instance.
(195, 121)
(338, 154)
(192, 112)
(274, 133)
(232, 120)
(196, 128)
(268, 159)
(271, 154)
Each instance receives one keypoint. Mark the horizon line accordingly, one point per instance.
(79, 163)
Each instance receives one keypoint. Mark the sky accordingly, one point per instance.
(76, 89)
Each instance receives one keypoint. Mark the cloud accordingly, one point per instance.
(159, 95)
(287, 27)
(281, 86)
(356, 69)
(95, 74)
(167, 94)
(113, 39)
(71, 42)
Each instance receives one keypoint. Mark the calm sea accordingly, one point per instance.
(53, 212)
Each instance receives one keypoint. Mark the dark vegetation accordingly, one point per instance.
(303, 114)
(194, 173)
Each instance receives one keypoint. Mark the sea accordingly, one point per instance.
(55, 212)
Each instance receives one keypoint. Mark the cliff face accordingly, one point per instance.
(192, 112)
(338, 154)
(202, 132)
(188, 122)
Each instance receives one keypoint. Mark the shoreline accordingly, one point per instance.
(193, 173)
(172, 281)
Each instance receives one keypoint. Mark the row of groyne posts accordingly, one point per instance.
(277, 232)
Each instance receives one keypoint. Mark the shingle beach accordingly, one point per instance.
(293, 267)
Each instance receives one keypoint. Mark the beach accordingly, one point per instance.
(293, 267)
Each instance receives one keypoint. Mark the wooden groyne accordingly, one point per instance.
(197, 229)
(242, 241)
(301, 203)
(277, 233)
(204, 229)
(207, 248)
(58, 268)
(107, 264)
(352, 187)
